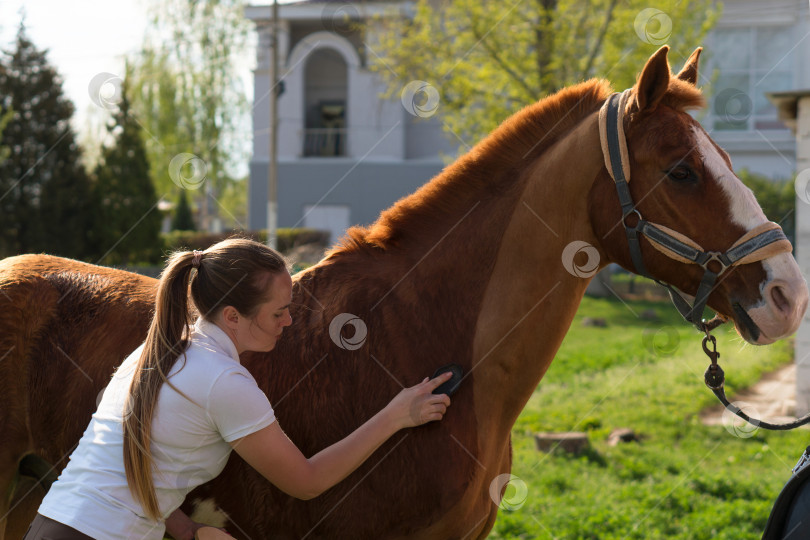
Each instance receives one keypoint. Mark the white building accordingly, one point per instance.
(756, 47)
(344, 153)
(794, 109)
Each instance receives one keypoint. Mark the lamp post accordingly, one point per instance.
(272, 169)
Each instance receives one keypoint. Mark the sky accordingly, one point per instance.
(84, 38)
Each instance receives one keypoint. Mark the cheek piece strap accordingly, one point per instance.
(759, 243)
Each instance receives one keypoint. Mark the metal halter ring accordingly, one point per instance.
(714, 256)
(624, 218)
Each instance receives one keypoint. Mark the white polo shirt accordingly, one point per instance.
(189, 440)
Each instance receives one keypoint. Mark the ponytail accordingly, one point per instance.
(234, 272)
(166, 340)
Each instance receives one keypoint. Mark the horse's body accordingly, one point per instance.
(467, 270)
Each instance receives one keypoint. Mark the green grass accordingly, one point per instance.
(684, 480)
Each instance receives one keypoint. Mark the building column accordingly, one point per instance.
(260, 111)
(802, 346)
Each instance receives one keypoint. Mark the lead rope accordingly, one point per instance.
(715, 380)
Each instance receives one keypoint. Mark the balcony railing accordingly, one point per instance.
(325, 142)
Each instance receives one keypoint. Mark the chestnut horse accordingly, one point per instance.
(475, 268)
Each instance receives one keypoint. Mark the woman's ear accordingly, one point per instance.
(230, 317)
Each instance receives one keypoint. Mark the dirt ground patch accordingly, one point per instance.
(772, 399)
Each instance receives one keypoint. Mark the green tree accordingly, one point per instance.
(128, 221)
(4, 119)
(44, 191)
(188, 95)
(183, 220)
(777, 199)
(487, 60)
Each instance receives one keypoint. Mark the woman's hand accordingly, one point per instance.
(207, 532)
(181, 527)
(417, 405)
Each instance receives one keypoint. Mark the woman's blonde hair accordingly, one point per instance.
(234, 272)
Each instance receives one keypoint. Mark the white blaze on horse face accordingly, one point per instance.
(784, 292)
(744, 209)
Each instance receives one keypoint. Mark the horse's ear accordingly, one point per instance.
(654, 80)
(689, 73)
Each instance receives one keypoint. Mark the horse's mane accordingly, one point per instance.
(494, 164)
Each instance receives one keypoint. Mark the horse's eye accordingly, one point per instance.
(681, 173)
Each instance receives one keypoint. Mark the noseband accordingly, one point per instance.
(759, 243)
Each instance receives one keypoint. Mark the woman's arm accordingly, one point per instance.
(274, 455)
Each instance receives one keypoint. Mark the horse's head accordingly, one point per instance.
(682, 180)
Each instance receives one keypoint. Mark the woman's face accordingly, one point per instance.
(261, 331)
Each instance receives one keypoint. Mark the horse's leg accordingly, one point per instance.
(505, 466)
(14, 438)
(11, 483)
(24, 506)
(8, 480)
(473, 516)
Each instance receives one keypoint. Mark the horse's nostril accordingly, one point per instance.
(780, 301)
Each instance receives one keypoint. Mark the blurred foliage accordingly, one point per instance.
(489, 59)
(777, 199)
(232, 201)
(179, 240)
(5, 118)
(182, 220)
(287, 238)
(127, 221)
(188, 96)
(46, 204)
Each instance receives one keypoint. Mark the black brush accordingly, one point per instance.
(450, 386)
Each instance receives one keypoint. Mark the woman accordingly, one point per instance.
(149, 443)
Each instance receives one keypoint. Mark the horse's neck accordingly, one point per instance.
(438, 253)
(487, 265)
(531, 298)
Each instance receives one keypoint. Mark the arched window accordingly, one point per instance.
(325, 93)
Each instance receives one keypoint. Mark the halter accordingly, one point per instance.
(757, 244)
